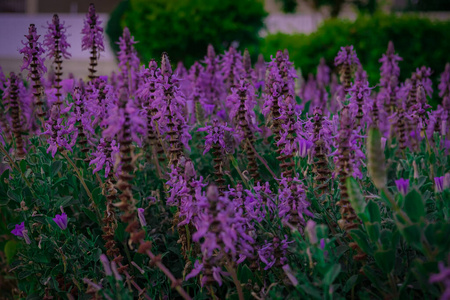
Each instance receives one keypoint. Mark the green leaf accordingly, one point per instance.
(90, 214)
(350, 283)
(311, 291)
(361, 239)
(56, 167)
(10, 250)
(412, 235)
(15, 197)
(356, 198)
(373, 231)
(23, 165)
(414, 206)
(332, 274)
(385, 259)
(374, 278)
(373, 211)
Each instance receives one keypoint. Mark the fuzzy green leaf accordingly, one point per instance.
(414, 206)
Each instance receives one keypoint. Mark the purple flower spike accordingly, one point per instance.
(56, 40)
(33, 52)
(347, 55)
(18, 231)
(216, 134)
(402, 186)
(389, 66)
(128, 61)
(92, 31)
(444, 84)
(61, 220)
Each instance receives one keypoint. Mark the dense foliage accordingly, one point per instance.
(184, 28)
(227, 181)
(420, 41)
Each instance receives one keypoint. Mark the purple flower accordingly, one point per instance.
(232, 67)
(274, 253)
(402, 186)
(61, 220)
(444, 82)
(56, 40)
(105, 155)
(444, 277)
(19, 229)
(142, 217)
(106, 265)
(58, 132)
(198, 267)
(128, 61)
(33, 52)
(346, 56)
(442, 183)
(92, 32)
(389, 67)
(216, 134)
(323, 73)
(310, 230)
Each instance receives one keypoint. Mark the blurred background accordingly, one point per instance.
(309, 29)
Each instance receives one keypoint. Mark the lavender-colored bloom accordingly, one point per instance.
(92, 31)
(260, 71)
(198, 267)
(128, 61)
(58, 132)
(216, 134)
(402, 186)
(347, 56)
(91, 284)
(115, 271)
(106, 266)
(19, 229)
(232, 67)
(56, 40)
(274, 253)
(442, 183)
(423, 77)
(443, 277)
(444, 82)
(61, 220)
(105, 154)
(304, 146)
(142, 217)
(323, 73)
(389, 67)
(287, 270)
(116, 120)
(33, 52)
(310, 230)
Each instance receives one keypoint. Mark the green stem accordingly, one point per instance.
(83, 183)
(236, 281)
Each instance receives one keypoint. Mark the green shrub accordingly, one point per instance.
(419, 41)
(184, 28)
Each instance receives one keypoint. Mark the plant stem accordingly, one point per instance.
(166, 271)
(83, 183)
(236, 281)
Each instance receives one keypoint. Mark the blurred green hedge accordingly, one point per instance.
(184, 28)
(418, 41)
